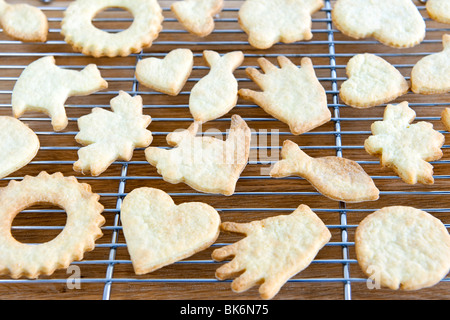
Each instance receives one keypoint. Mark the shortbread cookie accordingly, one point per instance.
(109, 136)
(216, 93)
(83, 36)
(431, 74)
(403, 248)
(439, 10)
(371, 81)
(405, 147)
(167, 75)
(84, 220)
(445, 118)
(44, 87)
(18, 145)
(292, 95)
(197, 16)
(158, 232)
(335, 177)
(206, 164)
(274, 250)
(23, 22)
(395, 23)
(270, 21)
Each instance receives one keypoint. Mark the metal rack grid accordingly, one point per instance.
(334, 273)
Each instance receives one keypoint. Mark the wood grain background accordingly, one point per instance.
(108, 267)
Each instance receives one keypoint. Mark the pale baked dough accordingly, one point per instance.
(270, 21)
(44, 87)
(79, 31)
(439, 10)
(337, 178)
(82, 228)
(197, 16)
(274, 250)
(403, 248)
(431, 74)
(23, 22)
(291, 94)
(371, 81)
(395, 23)
(167, 75)
(108, 136)
(205, 163)
(158, 232)
(404, 147)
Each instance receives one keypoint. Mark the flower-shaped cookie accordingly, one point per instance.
(405, 147)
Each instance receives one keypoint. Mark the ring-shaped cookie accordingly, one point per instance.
(82, 228)
(78, 30)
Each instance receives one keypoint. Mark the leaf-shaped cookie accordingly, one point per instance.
(158, 232)
(167, 75)
(197, 16)
(335, 177)
(431, 74)
(439, 10)
(395, 23)
(23, 22)
(270, 21)
(290, 94)
(405, 147)
(216, 93)
(371, 81)
(207, 164)
(274, 250)
(112, 135)
(45, 87)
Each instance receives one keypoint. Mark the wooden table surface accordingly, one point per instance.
(106, 272)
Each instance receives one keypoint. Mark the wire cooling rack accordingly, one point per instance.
(106, 272)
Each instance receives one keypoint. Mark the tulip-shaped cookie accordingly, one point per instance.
(405, 147)
(439, 10)
(269, 21)
(207, 164)
(197, 16)
(431, 74)
(371, 81)
(159, 233)
(45, 87)
(216, 93)
(274, 250)
(395, 23)
(335, 177)
(23, 22)
(290, 94)
(167, 75)
(112, 135)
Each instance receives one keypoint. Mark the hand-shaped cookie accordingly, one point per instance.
(269, 21)
(431, 74)
(403, 146)
(112, 135)
(207, 164)
(395, 23)
(197, 16)
(290, 94)
(216, 93)
(274, 250)
(45, 87)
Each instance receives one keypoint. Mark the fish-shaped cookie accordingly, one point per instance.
(335, 177)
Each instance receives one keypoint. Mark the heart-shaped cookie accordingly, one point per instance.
(395, 23)
(158, 232)
(371, 81)
(167, 75)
